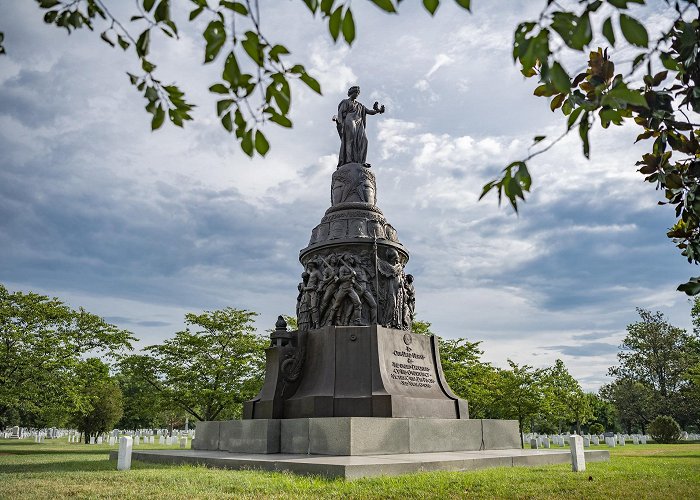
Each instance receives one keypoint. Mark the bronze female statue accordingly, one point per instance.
(351, 122)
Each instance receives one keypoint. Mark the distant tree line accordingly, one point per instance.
(65, 367)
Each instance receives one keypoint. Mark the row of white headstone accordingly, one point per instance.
(537, 441)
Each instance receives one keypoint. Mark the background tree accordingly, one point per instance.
(41, 343)
(655, 352)
(100, 405)
(469, 377)
(653, 375)
(635, 401)
(143, 405)
(518, 394)
(207, 372)
(563, 397)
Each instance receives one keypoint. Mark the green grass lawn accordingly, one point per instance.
(56, 469)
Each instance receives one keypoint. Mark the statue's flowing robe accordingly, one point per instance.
(352, 119)
(393, 308)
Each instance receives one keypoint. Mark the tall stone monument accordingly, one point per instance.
(353, 355)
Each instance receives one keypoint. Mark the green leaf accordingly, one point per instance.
(162, 12)
(261, 144)
(277, 51)
(560, 78)
(158, 118)
(223, 105)
(583, 128)
(226, 122)
(431, 6)
(608, 31)
(196, 12)
(281, 120)
(148, 5)
(122, 43)
(232, 72)
(634, 31)
(692, 287)
(147, 66)
(215, 36)
(104, 37)
(251, 44)
(465, 4)
(219, 88)
(142, 44)
(582, 34)
(634, 97)
(539, 138)
(385, 5)
(247, 143)
(348, 27)
(311, 82)
(50, 16)
(334, 23)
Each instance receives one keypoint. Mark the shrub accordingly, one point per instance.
(596, 428)
(665, 429)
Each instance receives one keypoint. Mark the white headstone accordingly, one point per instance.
(152, 440)
(161, 439)
(533, 443)
(635, 439)
(183, 442)
(545, 442)
(621, 440)
(643, 439)
(124, 455)
(578, 458)
(586, 442)
(610, 441)
(99, 440)
(595, 440)
(137, 440)
(92, 439)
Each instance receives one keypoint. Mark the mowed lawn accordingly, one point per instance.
(57, 469)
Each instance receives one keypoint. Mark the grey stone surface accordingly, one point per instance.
(501, 434)
(207, 436)
(361, 435)
(431, 435)
(294, 436)
(355, 467)
(358, 436)
(249, 436)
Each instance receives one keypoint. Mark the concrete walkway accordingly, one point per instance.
(354, 467)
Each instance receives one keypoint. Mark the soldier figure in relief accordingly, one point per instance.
(409, 307)
(329, 284)
(312, 288)
(346, 290)
(303, 305)
(362, 288)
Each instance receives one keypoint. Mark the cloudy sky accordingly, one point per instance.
(143, 227)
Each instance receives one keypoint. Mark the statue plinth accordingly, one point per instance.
(359, 371)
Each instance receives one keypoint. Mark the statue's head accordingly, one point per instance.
(312, 265)
(409, 278)
(305, 276)
(393, 256)
(333, 260)
(354, 91)
(350, 259)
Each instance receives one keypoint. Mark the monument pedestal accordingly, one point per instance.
(356, 436)
(359, 371)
